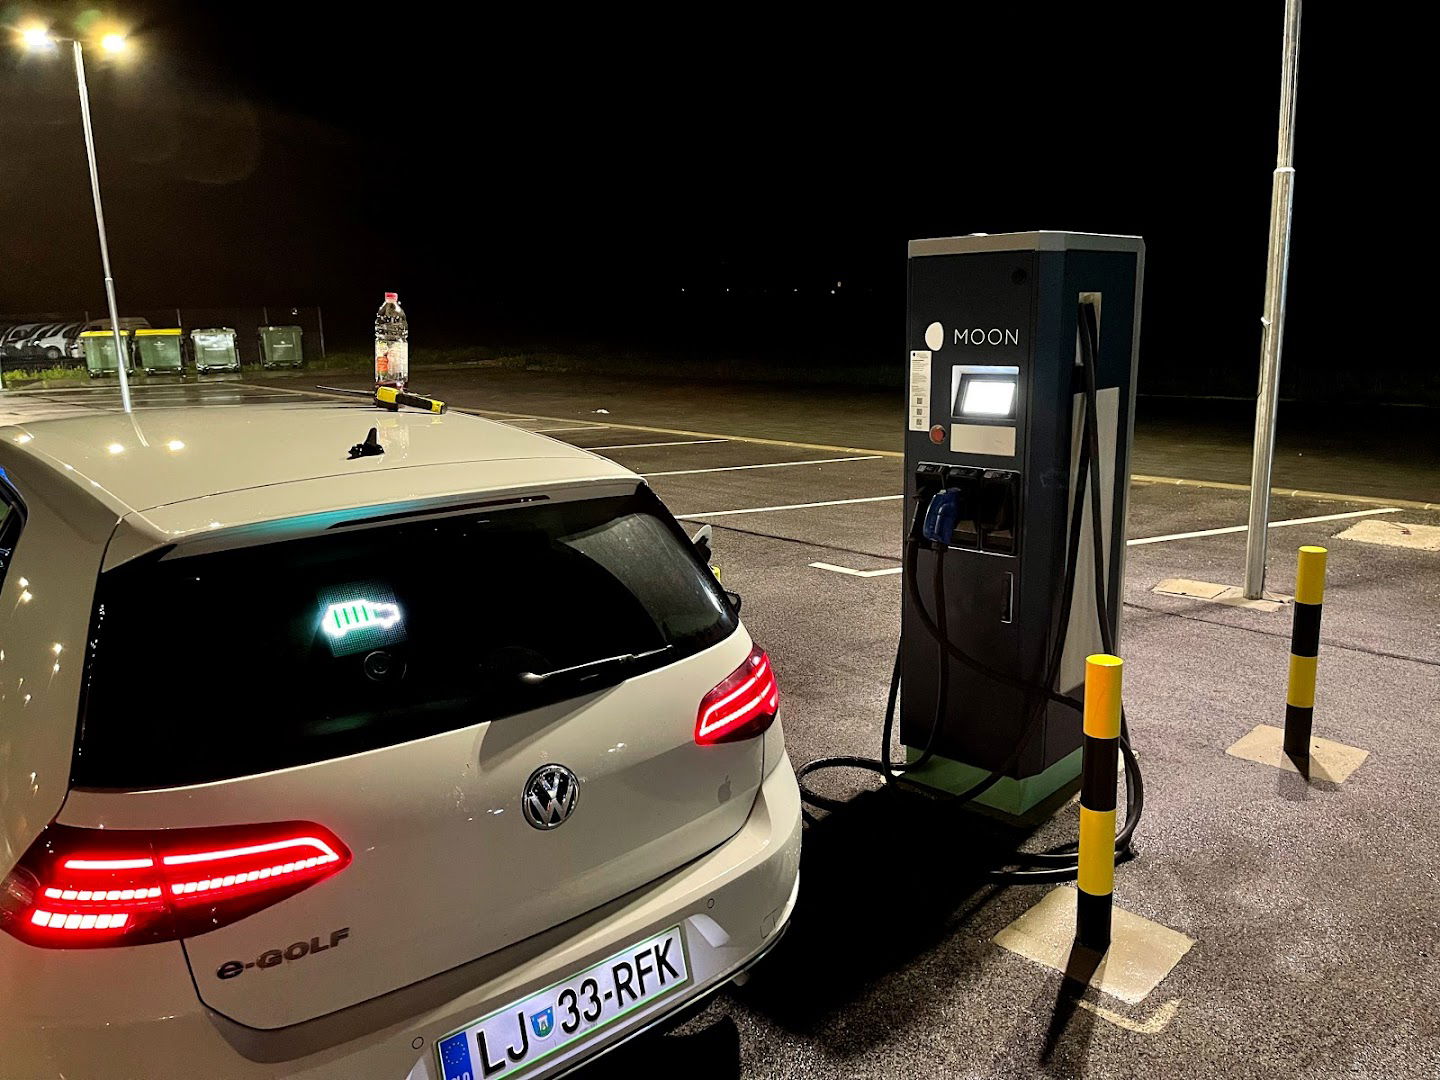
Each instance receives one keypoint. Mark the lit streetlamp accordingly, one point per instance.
(38, 39)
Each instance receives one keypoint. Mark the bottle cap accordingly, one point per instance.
(392, 297)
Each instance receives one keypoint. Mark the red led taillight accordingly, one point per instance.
(742, 706)
(78, 888)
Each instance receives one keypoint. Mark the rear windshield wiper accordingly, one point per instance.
(591, 669)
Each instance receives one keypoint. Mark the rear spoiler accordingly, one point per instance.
(309, 507)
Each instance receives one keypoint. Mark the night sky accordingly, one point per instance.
(528, 177)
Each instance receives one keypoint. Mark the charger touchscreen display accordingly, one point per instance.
(987, 397)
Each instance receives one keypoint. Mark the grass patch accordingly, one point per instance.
(26, 376)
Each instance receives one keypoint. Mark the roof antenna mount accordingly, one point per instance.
(369, 448)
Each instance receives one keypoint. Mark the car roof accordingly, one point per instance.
(162, 456)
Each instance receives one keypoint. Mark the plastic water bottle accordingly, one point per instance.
(392, 344)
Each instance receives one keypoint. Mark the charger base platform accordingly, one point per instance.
(1022, 801)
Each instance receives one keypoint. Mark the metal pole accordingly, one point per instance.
(121, 356)
(1277, 272)
(320, 317)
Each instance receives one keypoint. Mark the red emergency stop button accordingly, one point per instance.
(937, 434)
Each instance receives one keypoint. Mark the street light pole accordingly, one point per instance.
(121, 356)
(1277, 272)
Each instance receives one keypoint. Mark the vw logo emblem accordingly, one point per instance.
(549, 796)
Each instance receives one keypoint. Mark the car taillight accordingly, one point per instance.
(742, 706)
(82, 888)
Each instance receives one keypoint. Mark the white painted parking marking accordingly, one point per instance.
(767, 465)
(1285, 493)
(789, 506)
(548, 430)
(856, 573)
(1274, 525)
(1130, 543)
(642, 445)
(713, 436)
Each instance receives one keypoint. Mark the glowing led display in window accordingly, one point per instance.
(348, 616)
(359, 616)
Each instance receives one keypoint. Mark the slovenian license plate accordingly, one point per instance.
(515, 1040)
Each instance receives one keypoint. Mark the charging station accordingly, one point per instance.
(1014, 340)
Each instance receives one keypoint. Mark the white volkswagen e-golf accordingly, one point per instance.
(452, 761)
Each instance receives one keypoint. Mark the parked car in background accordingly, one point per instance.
(16, 336)
(55, 342)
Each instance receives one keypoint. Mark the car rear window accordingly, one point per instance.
(243, 661)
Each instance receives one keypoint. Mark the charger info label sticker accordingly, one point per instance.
(919, 390)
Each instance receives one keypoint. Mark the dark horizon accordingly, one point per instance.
(701, 195)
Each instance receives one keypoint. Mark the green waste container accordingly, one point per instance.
(280, 346)
(161, 350)
(99, 348)
(214, 349)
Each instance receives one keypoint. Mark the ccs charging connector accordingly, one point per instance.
(944, 511)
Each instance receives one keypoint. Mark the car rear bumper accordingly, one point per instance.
(127, 1012)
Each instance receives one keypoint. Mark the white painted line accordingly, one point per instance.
(790, 506)
(548, 430)
(1142, 540)
(856, 573)
(1273, 525)
(642, 445)
(768, 465)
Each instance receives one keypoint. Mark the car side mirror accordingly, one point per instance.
(735, 599)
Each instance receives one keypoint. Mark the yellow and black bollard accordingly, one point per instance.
(1096, 880)
(1304, 651)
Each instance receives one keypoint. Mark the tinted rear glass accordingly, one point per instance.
(243, 661)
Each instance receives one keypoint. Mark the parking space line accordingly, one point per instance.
(709, 436)
(1285, 493)
(886, 572)
(1273, 525)
(706, 436)
(766, 465)
(642, 445)
(788, 506)
(1129, 543)
(548, 430)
